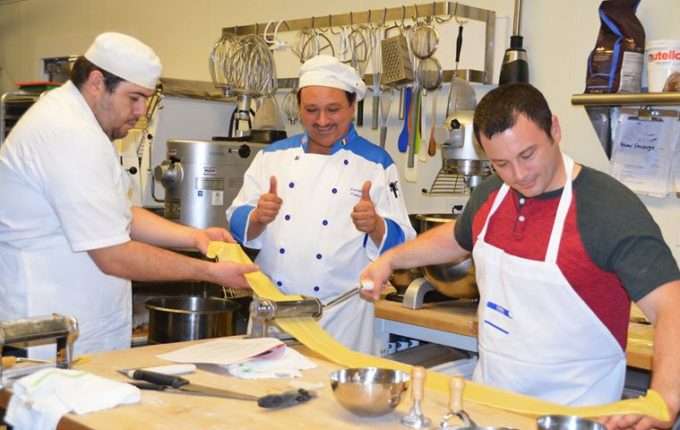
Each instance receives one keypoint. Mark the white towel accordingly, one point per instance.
(40, 399)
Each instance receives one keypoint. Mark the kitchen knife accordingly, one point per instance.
(177, 384)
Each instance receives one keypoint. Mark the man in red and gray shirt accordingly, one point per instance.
(560, 251)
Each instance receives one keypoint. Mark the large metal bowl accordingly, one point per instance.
(369, 391)
(567, 422)
(455, 279)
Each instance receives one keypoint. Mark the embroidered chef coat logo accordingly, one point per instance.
(394, 189)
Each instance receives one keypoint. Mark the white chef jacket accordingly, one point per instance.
(312, 247)
(63, 192)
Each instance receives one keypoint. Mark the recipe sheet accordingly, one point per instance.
(224, 351)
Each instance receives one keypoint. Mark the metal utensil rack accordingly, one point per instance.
(377, 16)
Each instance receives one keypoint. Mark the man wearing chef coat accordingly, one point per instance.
(560, 250)
(322, 204)
(69, 238)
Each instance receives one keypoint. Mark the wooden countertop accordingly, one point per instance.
(159, 410)
(460, 317)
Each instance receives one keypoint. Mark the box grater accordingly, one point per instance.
(397, 67)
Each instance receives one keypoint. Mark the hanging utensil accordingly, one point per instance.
(376, 36)
(424, 39)
(309, 43)
(290, 106)
(410, 171)
(432, 144)
(386, 98)
(429, 75)
(402, 140)
(217, 61)
(452, 93)
(360, 54)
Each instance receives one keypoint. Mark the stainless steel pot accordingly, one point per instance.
(455, 279)
(180, 318)
(567, 422)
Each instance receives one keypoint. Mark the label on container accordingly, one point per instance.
(663, 65)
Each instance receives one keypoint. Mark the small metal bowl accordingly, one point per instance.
(567, 422)
(369, 391)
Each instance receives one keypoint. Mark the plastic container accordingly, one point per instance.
(663, 65)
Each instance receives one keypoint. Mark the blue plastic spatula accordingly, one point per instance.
(402, 141)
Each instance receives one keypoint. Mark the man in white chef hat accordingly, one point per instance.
(70, 241)
(324, 203)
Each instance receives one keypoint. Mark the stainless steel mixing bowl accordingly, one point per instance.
(567, 422)
(369, 391)
(455, 279)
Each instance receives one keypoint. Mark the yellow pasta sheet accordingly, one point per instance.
(309, 332)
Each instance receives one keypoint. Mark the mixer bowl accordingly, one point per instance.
(369, 391)
(455, 279)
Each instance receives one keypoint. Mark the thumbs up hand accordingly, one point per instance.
(363, 215)
(268, 205)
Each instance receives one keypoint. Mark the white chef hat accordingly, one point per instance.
(328, 71)
(126, 57)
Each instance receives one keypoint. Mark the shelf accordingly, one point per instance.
(627, 99)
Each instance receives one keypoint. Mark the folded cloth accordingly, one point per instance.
(40, 399)
(283, 364)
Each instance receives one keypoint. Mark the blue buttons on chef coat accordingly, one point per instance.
(334, 191)
(316, 288)
(282, 251)
(319, 256)
(324, 222)
(279, 283)
(346, 162)
(287, 217)
(291, 184)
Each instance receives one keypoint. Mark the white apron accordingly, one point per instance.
(536, 335)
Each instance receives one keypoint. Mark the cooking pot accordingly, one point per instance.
(180, 318)
(455, 279)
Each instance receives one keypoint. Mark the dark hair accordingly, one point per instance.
(498, 110)
(350, 96)
(81, 71)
